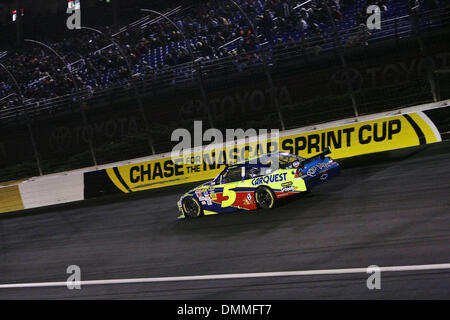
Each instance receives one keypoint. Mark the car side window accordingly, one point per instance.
(252, 172)
(232, 175)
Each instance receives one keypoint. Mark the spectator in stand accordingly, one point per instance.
(336, 14)
(360, 37)
(304, 17)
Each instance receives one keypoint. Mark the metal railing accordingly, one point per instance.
(141, 23)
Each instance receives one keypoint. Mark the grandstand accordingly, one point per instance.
(312, 39)
(216, 37)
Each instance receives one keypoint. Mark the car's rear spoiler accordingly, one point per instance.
(321, 155)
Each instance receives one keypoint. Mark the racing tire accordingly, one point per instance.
(265, 198)
(192, 208)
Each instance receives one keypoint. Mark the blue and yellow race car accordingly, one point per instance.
(251, 185)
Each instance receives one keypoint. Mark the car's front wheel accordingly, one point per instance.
(265, 198)
(191, 207)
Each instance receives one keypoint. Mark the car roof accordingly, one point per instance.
(245, 163)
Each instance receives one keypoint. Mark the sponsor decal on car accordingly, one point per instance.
(318, 167)
(269, 179)
(312, 171)
(287, 184)
(248, 200)
(203, 196)
(288, 189)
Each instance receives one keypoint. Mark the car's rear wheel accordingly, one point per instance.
(191, 207)
(265, 198)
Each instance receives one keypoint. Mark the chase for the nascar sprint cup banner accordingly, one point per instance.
(345, 138)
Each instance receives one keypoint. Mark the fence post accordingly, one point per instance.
(199, 76)
(415, 20)
(338, 48)
(75, 84)
(135, 89)
(273, 97)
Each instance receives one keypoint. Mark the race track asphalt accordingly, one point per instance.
(389, 209)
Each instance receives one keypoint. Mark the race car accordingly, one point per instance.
(251, 185)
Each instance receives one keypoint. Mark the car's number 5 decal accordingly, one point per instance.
(227, 192)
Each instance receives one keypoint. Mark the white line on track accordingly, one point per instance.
(230, 276)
